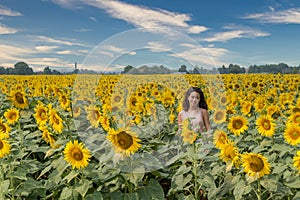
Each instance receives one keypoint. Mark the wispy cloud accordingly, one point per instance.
(83, 30)
(157, 47)
(58, 41)
(288, 16)
(93, 18)
(45, 48)
(7, 30)
(235, 31)
(142, 17)
(8, 12)
(197, 55)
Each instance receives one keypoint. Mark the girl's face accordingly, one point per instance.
(194, 99)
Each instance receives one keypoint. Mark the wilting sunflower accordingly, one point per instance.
(220, 138)
(219, 116)
(292, 135)
(124, 141)
(12, 115)
(255, 165)
(77, 155)
(55, 120)
(93, 116)
(238, 124)
(40, 115)
(19, 99)
(296, 161)
(4, 148)
(4, 128)
(47, 136)
(265, 125)
(229, 154)
(188, 136)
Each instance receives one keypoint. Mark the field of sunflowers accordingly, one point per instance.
(116, 137)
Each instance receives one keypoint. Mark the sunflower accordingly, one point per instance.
(94, 116)
(4, 148)
(4, 128)
(12, 115)
(55, 120)
(19, 99)
(188, 136)
(64, 101)
(219, 116)
(76, 111)
(230, 154)
(246, 107)
(265, 125)
(294, 119)
(47, 136)
(77, 155)
(104, 121)
(292, 135)
(124, 141)
(220, 138)
(296, 161)
(237, 124)
(40, 115)
(255, 165)
(259, 104)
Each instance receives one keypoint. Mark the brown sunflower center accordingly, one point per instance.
(55, 119)
(43, 114)
(2, 128)
(230, 153)
(223, 100)
(219, 115)
(266, 125)
(296, 110)
(13, 116)
(77, 154)
(1, 144)
(124, 140)
(256, 164)
(96, 115)
(297, 119)
(295, 135)
(64, 100)
(19, 98)
(117, 99)
(237, 124)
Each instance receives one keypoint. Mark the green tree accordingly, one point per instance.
(22, 68)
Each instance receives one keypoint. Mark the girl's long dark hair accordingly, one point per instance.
(202, 102)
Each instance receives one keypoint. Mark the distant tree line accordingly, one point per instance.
(22, 68)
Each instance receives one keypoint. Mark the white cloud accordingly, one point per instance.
(146, 18)
(236, 32)
(289, 16)
(83, 30)
(64, 52)
(157, 47)
(45, 48)
(7, 30)
(113, 48)
(58, 41)
(94, 19)
(202, 55)
(132, 53)
(8, 12)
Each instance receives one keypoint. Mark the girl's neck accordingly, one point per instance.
(194, 108)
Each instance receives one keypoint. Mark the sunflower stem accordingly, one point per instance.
(258, 194)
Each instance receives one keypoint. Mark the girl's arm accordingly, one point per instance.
(206, 119)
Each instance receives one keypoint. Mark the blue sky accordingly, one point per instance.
(107, 35)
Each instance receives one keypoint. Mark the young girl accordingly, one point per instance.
(195, 108)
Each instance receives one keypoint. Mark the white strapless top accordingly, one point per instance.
(196, 120)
